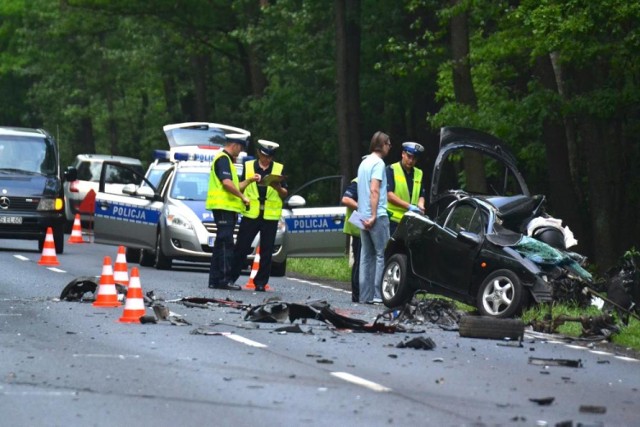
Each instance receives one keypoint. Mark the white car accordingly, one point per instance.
(89, 167)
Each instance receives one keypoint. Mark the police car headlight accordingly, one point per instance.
(50, 204)
(178, 221)
(282, 226)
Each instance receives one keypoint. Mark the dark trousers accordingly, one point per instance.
(222, 254)
(355, 269)
(249, 228)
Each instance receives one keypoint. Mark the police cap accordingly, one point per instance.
(267, 147)
(238, 138)
(412, 148)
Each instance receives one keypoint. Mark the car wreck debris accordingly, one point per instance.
(542, 401)
(491, 328)
(569, 363)
(77, 289)
(419, 343)
(421, 309)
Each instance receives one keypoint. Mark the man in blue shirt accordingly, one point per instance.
(372, 206)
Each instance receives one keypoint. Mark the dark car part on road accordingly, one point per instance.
(491, 328)
(419, 343)
(569, 363)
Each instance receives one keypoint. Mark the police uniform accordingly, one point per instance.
(225, 207)
(262, 216)
(350, 229)
(407, 185)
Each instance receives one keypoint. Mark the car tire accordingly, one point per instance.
(395, 287)
(132, 255)
(147, 258)
(279, 269)
(501, 294)
(162, 262)
(490, 327)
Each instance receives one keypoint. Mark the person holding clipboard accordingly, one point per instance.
(266, 190)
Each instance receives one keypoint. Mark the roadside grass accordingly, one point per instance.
(338, 269)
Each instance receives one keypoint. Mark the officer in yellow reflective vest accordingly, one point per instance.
(350, 200)
(266, 190)
(405, 189)
(226, 201)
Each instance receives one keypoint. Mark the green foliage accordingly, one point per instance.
(322, 268)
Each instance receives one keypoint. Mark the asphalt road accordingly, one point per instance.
(70, 363)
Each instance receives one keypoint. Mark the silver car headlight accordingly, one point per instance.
(282, 226)
(177, 220)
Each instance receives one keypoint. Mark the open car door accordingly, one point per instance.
(129, 218)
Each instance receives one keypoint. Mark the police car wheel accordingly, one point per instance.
(163, 262)
(278, 269)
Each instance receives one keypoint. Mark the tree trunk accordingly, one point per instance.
(564, 202)
(348, 91)
(200, 74)
(465, 93)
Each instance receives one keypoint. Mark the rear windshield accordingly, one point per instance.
(28, 155)
(196, 135)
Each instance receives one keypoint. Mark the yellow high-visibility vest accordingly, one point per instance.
(272, 203)
(217, 196)
(402, 190)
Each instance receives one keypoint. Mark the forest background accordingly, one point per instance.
(558, 80)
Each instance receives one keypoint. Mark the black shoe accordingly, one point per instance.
(229, 287)
(260, 289)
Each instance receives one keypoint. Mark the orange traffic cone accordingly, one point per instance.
(254, 270)
(49, 250)
(134, 305)
(76, 232)
(107, 294)
(120, 270)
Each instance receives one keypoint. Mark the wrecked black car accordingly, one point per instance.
(484, 240)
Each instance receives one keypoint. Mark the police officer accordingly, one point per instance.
(405, 186)
(226, 200)
(350, 200)
(266, 189)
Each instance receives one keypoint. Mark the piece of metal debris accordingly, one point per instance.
(419, 343)
(570, 363)
(593, 409)
(148, 319)
(542, 401)
(326, 361)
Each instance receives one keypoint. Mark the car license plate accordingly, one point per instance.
(10, 220)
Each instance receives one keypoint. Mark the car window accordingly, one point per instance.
(322, 192)
(124, 175)
(465, 217)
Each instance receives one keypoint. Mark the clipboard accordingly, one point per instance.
(357, 219)
(270, 179)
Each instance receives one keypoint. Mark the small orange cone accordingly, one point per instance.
(254, 270)
(107, 294)
(134, 305)
(49, 250)
(76, 232)
(120, 270)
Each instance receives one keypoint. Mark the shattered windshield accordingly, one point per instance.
(542, 253)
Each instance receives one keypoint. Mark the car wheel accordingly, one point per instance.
(58, 239)
(490, 327)
(162, 261)
(395, 289)
(278, 269)
(133, 255)
(501, 294)
(147, 258)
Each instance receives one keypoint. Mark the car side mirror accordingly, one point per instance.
(70, 174)
(469, 237)
(146, 192)
(296, 201)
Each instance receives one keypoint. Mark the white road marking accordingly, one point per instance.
(56, 270)
(38, 393)
(243, 340)
(108, 356)
(22, 258)
(319, 285)
(627, 359)
(360, 381)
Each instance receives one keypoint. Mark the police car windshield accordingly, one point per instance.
(190, 186)
(197, 135)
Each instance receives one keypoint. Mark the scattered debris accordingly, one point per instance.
(542, 401)
(293, 329)
(325, 361)
(419, 343)
(593, 409)
(570, 363)
(421, 310)
(491, 328)
(148, 319)
(77, 289)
